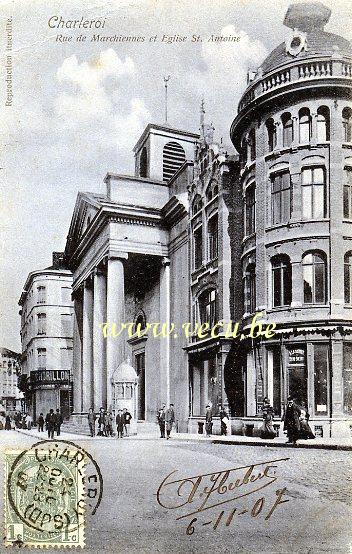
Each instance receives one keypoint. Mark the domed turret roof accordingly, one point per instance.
(307, 21)
(124, 373)
(319, 43)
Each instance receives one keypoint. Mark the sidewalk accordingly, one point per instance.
(325, 444)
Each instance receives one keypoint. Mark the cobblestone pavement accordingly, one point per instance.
(315, 519)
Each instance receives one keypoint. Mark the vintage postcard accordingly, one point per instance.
(176, 276)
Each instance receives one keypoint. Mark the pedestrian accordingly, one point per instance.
(224, 420)
(126, 421)
(291, 421)
(169, 420)
(108, 424)
(208, 420)
(101, 423)
(305, 432)
(8, 423)
(23, 421)
(2, 421)
(41, 423)
(119, 424)
(267, 430)
(29, 422)
(50, 421)
(59, 422)
(161, 421)
(91, 422)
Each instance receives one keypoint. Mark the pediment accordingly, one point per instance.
(86, 208)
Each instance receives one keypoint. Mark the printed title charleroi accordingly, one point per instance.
(58, 22)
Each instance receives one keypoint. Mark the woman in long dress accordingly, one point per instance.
(267, 430)
(305, 432)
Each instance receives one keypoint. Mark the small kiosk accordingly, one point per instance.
(124, 387)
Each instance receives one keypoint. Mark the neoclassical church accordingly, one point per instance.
(133, 261)
(197, 235)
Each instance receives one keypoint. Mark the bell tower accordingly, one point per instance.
(161, 151)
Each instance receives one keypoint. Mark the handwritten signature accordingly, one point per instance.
(193, 496)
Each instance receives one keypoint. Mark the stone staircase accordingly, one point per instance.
(72, 426)
(81, 427)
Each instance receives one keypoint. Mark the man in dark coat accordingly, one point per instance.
(169, 420)
(161, 421)
(208, 420)
(91, 422)
(41, 423)
(119, 424)
(50, 421)
(59, 422)
(291, 421)
(126, 421)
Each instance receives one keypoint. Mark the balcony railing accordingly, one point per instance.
(47, 376)
(304, 70)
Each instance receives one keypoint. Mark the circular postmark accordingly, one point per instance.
(52, 486)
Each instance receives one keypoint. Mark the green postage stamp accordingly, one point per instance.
(44, 497)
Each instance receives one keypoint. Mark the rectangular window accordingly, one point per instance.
(213, 237)
(313, 193)
(41, 324)
(41, 294)
(347, 378)
(347, 195)
(198, 247)
(66, 325)
(281, 197)
(41, 358)
(66, 356)
(250, 210)
(321, 364)
(66, 295)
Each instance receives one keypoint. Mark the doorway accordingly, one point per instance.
(140, 369)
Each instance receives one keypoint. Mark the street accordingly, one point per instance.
(313, 516)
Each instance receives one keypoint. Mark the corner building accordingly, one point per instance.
(293, 131)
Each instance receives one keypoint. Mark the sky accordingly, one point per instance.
(79, 107)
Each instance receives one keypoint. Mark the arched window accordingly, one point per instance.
(313, 193)
(271, 133)
(140, 322)
(347, 194)
(212, 191)
(173, 157)
(243, 152)
(347, 124)
(323, 124)
(314, 278)
(143, 163)
(213, 237)
(198, 246)
(250, 209)
(197, 204)
(207, 307)
(281, 280)
(251, 145)
(250, 289)
(305, 125)
(348, 277)
(287, 130)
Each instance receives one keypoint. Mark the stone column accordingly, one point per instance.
(279, 137)
(295, 141)
(165, 342)
(115, 313)
(87, 347)
(77, 353)
(297, 283)
(99, 342)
